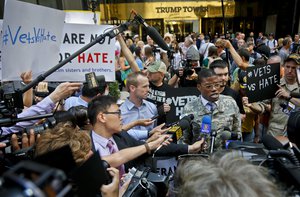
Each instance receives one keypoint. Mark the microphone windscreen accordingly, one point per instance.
(226, 135)
(184, 124)
(206, 120)
(271, 143)
(156, 37)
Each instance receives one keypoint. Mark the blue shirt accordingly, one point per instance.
(74, 101)
(131, 113)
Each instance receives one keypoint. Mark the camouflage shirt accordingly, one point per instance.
(278, 118)
(225, 115)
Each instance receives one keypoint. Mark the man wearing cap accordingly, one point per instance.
(288, 83)
(157, 89)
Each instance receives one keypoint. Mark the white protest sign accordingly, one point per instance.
(100, 58)
(31, 38)
(81, 17)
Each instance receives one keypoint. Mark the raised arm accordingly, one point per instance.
(128, 55)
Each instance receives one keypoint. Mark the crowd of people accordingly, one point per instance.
(125, 132)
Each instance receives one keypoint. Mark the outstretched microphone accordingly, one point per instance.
(152, 32)
(117, 30)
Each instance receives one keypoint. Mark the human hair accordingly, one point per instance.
(132, 79)
(244, 53)
(148, 51)
(64, 116)
(99, 104)
(138, 52)
(90, 93)
(61, 135)
(218, 64)
(205, 73)
(212, 51)
(80, 115)
(228, 175)
(259, 62)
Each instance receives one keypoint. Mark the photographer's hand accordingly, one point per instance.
(112, 189)
(25, 141)
(64, 90)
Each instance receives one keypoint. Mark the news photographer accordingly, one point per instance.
(187, 72)
(45, 106)
(220, 111)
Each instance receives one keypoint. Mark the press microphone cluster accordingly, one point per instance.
(177, 129)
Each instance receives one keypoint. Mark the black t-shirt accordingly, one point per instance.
(157, 96)
(236, 96)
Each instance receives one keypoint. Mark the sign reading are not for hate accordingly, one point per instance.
(100, 58)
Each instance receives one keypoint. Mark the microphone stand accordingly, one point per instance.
(213, 133)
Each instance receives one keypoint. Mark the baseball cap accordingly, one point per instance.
(192, 54)
(295, 57)
(136, 36)
(157, 66)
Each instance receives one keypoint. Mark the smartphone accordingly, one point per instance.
(154, 117)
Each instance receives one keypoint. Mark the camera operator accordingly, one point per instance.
(186, 73)
(45, 106)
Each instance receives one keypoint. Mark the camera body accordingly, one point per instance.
(146, 183)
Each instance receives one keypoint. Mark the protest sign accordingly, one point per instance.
(81, 17)
(177, 98)
(100, 58)
(31, 38)
(262, 82)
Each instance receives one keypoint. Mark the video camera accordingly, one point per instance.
(146, 183)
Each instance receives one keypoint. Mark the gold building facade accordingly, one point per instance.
(178, 17)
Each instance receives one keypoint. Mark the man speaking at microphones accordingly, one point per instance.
(222, 110)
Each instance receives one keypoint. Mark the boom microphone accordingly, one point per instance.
(152, 32)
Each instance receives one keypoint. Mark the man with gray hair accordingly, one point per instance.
(228, 175)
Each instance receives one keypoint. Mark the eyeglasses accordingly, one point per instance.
(113, 112)
(211, 86)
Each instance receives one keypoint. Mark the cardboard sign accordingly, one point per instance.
(177, 98)
(31, 38)
(262, 82)
(100, 58)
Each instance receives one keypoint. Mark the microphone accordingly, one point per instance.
(227, 135)
(271, 143)
(195, 131)
(152, 32)
(295, 94)
(205, 131)
(117, 30)
(277, 149)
